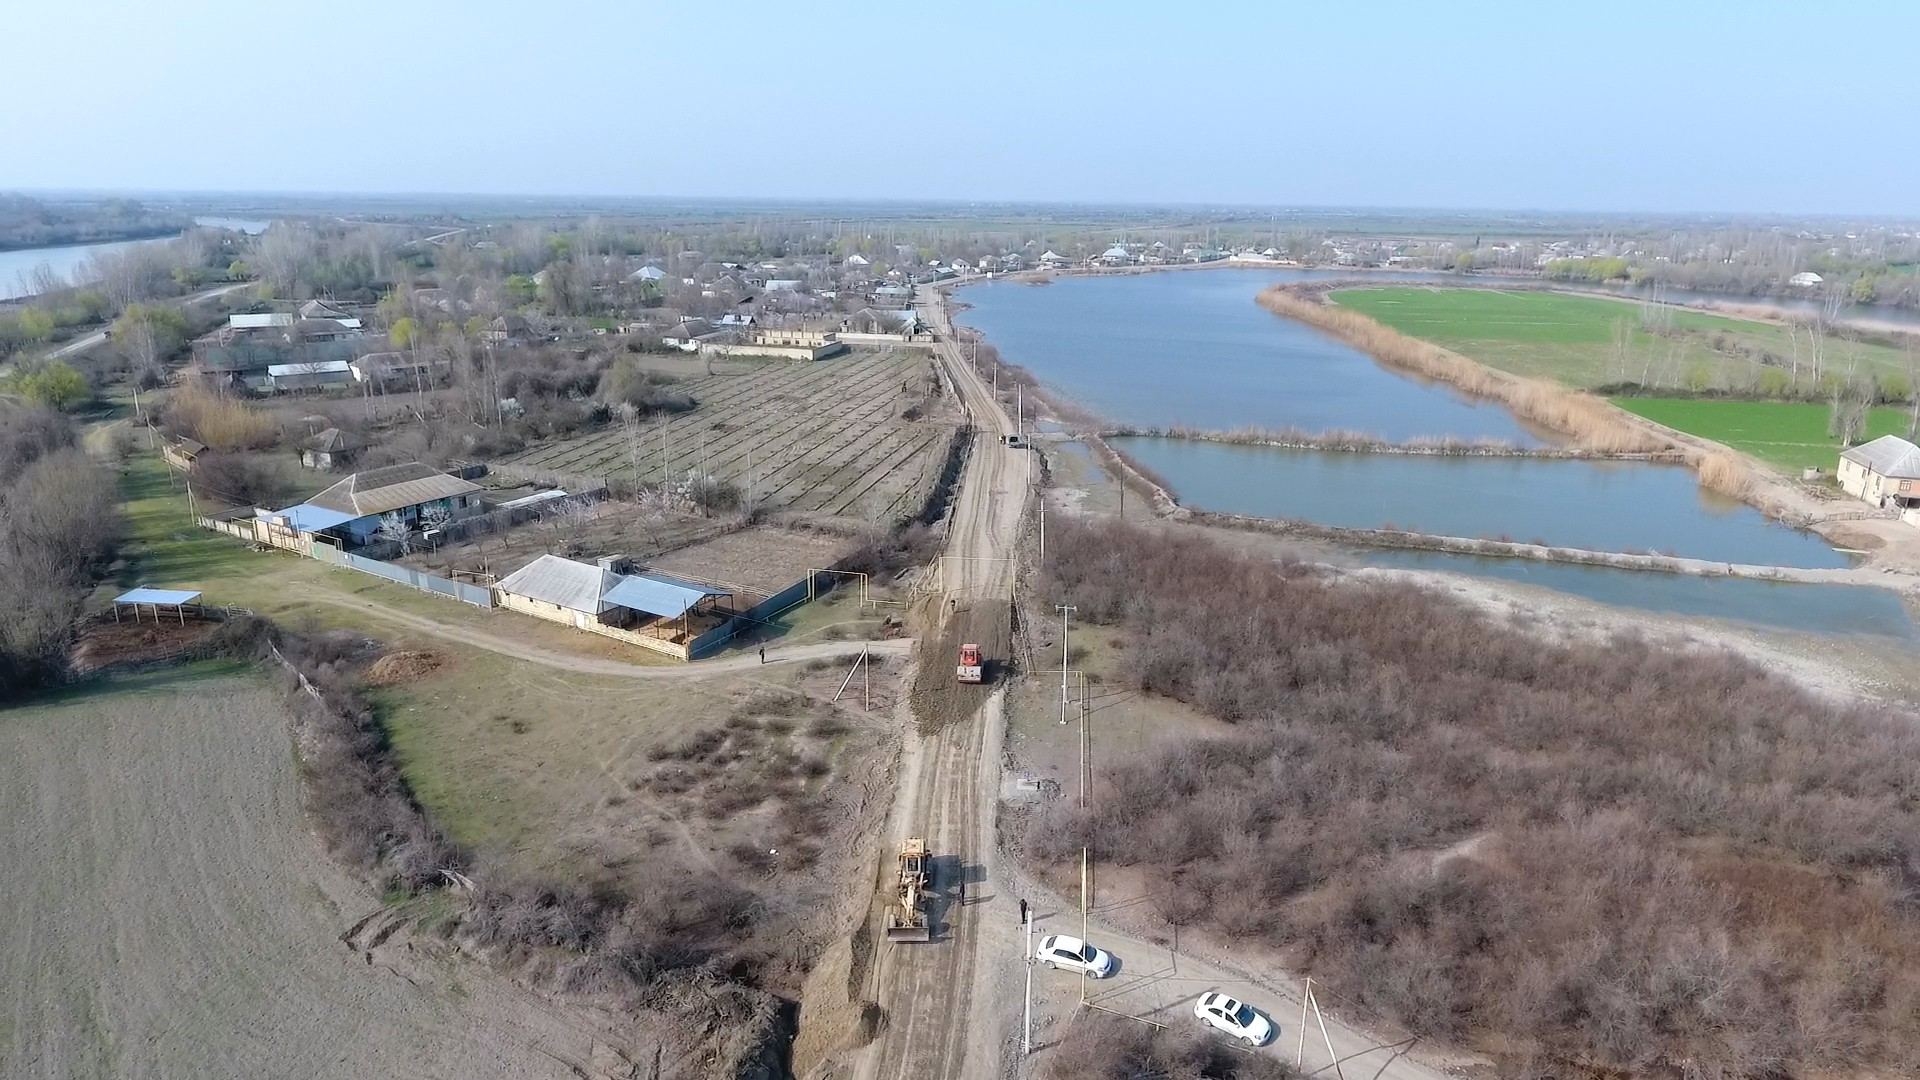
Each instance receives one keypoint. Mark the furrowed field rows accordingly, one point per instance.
(740, 396)
(823, 437)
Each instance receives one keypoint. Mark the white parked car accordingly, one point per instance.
(1236, 1018)
(1071, 954)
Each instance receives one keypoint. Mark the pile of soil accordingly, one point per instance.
(403, 666)
(127, 643)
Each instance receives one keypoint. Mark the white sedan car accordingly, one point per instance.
(1071, 954)
(1236, 1018)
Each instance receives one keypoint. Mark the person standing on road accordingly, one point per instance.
(1023, 911)
(763, 654)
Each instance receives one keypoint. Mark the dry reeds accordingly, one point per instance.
(222, 423)
(1592, 423)
(1726, 473)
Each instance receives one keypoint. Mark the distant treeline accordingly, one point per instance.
(30, 223)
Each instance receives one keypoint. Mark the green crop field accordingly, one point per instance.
(1792, 435)
(1572, 338)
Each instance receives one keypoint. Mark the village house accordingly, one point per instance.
(1053, 260)
(384, 369)
(686, 335)
(509, 329)
(666, 614)
(308, 375)
(330, 449)
(350, 513)
(1884, 472)
(1805, 279)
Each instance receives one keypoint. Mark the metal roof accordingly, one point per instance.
(1888, 455)
(269, 320)
(579, 586)
(377, 491)
(310, 367)
(576, 586)
(308, 518)
(657, 594)
(169, 597)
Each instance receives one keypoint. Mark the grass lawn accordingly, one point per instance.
(1791, 435)
(1571, 338)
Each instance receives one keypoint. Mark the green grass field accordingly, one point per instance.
(1791, 435)
(1571, 338)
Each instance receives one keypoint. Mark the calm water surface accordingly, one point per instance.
(1192, 347)
(16, 265)
(1815, 609)
(1598, 505)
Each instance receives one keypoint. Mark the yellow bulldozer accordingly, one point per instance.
(907, 915)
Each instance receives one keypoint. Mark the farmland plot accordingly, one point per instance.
(831, 437)
(170, 914)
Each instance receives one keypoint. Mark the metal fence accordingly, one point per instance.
(477, 595)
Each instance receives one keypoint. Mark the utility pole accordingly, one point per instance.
(1065, 610)
(1026, 1028)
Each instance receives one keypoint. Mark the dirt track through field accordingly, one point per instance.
(168, 914)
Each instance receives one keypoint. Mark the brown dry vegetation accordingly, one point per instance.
(1585, 859)
(1102, 1047)
(59, 526)
(199, 412)
(708, 947)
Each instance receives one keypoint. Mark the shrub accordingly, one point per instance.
(1606, 856)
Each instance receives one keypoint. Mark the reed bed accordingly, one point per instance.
(1592, 423)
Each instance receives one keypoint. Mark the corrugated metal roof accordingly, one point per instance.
(312, 367)
(657, 594)
(307, 518)
(576, 586)
(144, 595)
(268, 320)
(1888, 455)
(377, 491)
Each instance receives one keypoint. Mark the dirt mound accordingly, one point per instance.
(403, 666)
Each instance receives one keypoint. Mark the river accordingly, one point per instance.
(68, 260)
(1193, 347)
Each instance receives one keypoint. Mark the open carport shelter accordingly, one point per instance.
(159, 601)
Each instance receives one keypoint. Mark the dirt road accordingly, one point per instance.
(588, 665)
(939, 1024)
(952, 1006)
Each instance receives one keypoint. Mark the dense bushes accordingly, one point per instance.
(1589, 856)
(646, 392)
(59, 521)
(1102, 1047)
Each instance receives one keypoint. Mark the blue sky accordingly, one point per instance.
(1682, 105)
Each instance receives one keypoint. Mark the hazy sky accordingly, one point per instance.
(1679, 105)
